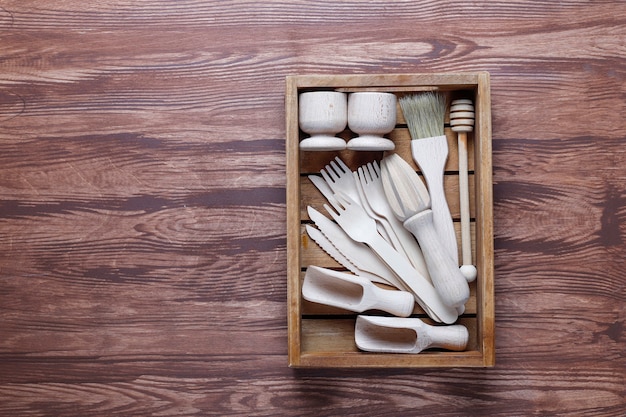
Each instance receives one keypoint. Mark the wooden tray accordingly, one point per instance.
(323, 337)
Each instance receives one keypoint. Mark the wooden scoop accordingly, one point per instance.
(353, 293)
(406, 335)
(410, 202)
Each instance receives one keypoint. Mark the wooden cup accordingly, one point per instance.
(322, 114)
(371, 115)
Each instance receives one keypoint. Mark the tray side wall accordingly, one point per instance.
(484, 214)
(293, 222)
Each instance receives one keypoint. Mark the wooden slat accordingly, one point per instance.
(313, 309)
(312, 254)
(313, 162)
(311, 196)
(331, 341)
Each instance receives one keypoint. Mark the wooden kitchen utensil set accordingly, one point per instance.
(389, 227)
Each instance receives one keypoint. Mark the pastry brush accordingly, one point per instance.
(424, 114)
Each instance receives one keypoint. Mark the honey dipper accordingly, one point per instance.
(462, 121)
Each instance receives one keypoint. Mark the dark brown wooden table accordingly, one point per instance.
(142, 204)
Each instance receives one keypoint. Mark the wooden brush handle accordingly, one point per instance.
(444, 272)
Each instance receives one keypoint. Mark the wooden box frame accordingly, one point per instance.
(322, 337)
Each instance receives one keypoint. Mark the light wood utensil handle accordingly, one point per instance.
(426, 295)
(466, 238)
(462, 121)
(448, 337)
(444, 272)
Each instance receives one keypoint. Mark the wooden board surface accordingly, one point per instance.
(142, 211)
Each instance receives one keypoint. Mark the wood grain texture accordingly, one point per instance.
(142, 204)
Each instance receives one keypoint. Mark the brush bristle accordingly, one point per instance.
(424, 114)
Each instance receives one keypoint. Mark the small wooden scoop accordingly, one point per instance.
(353, 293)
(406, 335)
